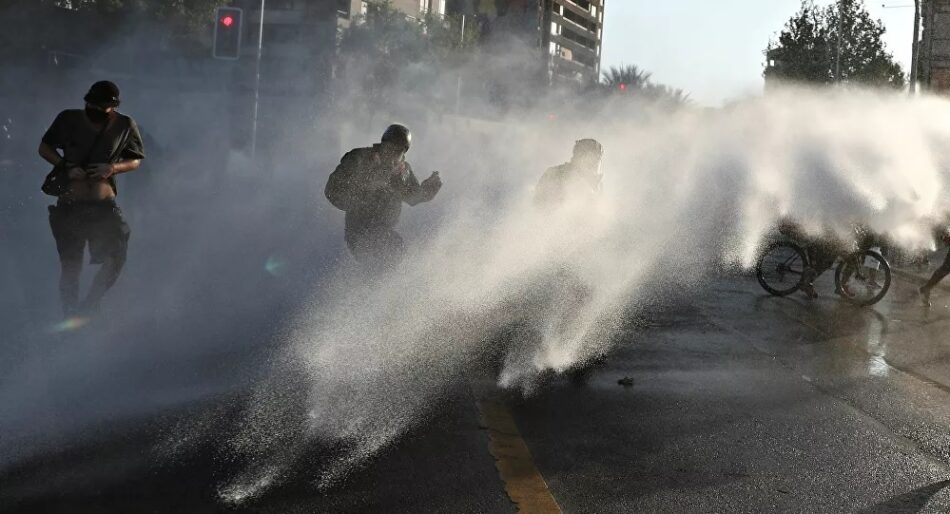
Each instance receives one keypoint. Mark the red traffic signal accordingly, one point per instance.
(227, 33)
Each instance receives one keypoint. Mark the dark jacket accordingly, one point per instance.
(560, 182)
(372, 192)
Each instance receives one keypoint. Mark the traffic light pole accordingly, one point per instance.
(458, 84)
(915, 50)
(257, 82)
(838, 49)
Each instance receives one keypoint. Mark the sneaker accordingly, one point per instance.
(924, 296)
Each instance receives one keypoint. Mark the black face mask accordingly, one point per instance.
(96, 116)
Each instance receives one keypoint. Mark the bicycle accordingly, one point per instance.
(782, 270)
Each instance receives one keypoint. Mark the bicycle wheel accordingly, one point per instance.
(781, 269)
(863, 278)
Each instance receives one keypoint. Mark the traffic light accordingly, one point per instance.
(228, 26)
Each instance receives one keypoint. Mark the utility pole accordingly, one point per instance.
(915, 50)
(927, 45)
(257, 82)
(458, 84)
(838, 52)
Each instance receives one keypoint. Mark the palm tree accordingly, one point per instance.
(639, 83)
(626, 77)
(667, 94)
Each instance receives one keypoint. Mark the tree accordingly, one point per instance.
(808, 48)
(192, 14)
(638, 83)
(385, 32)
(626, 77)
(379, 45)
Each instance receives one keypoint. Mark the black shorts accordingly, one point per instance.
(99, 223)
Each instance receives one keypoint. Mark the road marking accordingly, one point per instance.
(523, 482)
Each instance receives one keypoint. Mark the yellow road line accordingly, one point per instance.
(523, 482)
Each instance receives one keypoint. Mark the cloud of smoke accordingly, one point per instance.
(237, 278)
(687, 194)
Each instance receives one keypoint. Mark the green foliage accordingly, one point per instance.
(807, 48)
(630, 77)
(190, 15)
(386, 32)
(638, 84)
(378, 46)
(383, 32)
(200, 9)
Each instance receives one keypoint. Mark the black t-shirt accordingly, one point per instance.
(74, 134)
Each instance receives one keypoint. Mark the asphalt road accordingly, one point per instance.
(735, 402)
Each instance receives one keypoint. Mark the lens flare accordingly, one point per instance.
(70, 324)
(274, 265)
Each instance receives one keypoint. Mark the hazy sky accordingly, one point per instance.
(713, 49)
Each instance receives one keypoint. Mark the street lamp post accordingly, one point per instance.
(915, 50)
(838, 51)
(458, 84)
(257, 82)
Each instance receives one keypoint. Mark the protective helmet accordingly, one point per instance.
(588, 155)
(588, 147)
(398, 135)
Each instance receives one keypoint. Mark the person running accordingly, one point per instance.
(583, 173)
(92, 146)
(939, 274)
(370, 185)
(578, 180)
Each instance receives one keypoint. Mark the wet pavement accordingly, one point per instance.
(738, 402)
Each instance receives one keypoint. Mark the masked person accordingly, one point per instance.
(92, 145)
(370, 185)
(582, 174)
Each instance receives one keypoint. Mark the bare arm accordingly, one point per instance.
(50, 155)
(126, 166)
(103, 171)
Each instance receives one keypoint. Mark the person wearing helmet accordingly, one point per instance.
(583, 173)
(89, 147)
(370, 185)
(580, 179)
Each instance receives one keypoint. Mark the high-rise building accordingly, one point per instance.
(347, 9)
(935, 47)
(569, 32)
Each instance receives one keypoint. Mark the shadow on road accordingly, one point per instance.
(911, 501)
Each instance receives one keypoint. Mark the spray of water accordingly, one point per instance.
(687, 193)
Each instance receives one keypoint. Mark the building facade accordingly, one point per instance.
(348, 9)
(572, 35)
(934, 58)
(569, 32)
